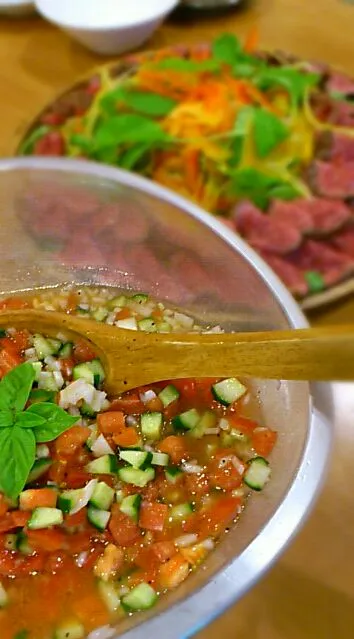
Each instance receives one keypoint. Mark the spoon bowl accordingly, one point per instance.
(135, 358)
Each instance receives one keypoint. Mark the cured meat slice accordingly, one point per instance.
(293, 213)
(289, 273)
(264, 233)
(333, 180)
(315, 215)
(314, 256)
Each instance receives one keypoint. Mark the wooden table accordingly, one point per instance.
(309, 594)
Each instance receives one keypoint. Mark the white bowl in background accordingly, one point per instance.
(107, 26)
(16, 7)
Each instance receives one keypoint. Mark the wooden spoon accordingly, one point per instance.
(134, 358)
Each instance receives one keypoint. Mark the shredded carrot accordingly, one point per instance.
(252, 40)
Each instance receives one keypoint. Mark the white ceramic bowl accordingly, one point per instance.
(107, 26)
(16, 7)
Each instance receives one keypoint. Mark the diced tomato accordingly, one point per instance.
(68, 442)
(142, 576)
(78, 519)
(197, 484)
(13, 304)
(146, 559)
(111, 422)
(21, 340)
(154, 405)
(37, 498)
(77, 478)
(128, 437)
(90, 610)
(4, 506)
(176, 447)
(152, 515)
(173, 572)
(163, 550)
(263, 441)
(57, 471)
(186, 387)
(72, 302)
(9, 358)
(59, 560)
(80, 541)
(216, 517)
(123, 314)
(124, 530)
(222, 472)
(172, 409)
(83, 352)
(47, 540)
(130, 404)
(13, 519)
(204, 392)
(66, 367)
(244, 425)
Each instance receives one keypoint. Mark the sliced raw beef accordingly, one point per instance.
(315, 215)
(333, 111)
(332, 180)
(331, 146)
(264, 233)
(191, 272)
(340, 83)
(344, 241)
(289, 273)
(319, 257)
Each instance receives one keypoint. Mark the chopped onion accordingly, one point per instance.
(224, 424)
(105, 632)
(81, 559)
(42, 451)
(192, 468)
(78, 390)
(147, 396)
(30, 353)
(52, 363)
(184, 320)
(211, 431)
(128, 323)
(86, 496)
(131, 420)
(240, 467)
(59, 379)
(149, 449)
(186, 540)
(208, 543)
(101, 447)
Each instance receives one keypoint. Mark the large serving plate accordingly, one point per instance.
(319, 267)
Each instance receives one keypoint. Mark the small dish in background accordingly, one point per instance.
(107, 26)
(16, 8)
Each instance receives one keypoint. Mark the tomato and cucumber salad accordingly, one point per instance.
(108, 503)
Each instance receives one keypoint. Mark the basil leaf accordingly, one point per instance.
(15, 387)
(258, 187)
(184, 65)
(6, 418)
(128, 128)
(29, 420)
(284, 192)
(268, 131)
(149, 103)
(226, 49)
(18, 447)
(130, 158)
(40, 395)
(295, 82)
(56, 421)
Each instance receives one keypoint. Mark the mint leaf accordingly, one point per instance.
(294, 81)
(56, 421)
(144, 102)
(7, 418)
(268, 131)
(226, 49)
(18, 447)
(15, 387)
(28, 420)
(128, 128)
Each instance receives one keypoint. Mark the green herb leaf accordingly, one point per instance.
(23, 634)
(39, 132)
(284, 191)
(81, 142)
(131, 157)
(189, 66)
(241, 129)
(128, 128)
(295, 82)
(259, 188)
(15, 387)
(226, 49)
(315, 281)
(144, 102)
(28, 420)
(56, 421)
(7, 418)
(18, 447)
(268, 130)
(40, 395)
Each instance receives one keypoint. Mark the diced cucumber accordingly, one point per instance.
(105, 465)
(39, 468)
(228, 391)
(136, 458)
(92, 437)
(45, 347)
(71, 501)
(101, 447)
(26, 497)
(136, 476)
(65, 350)
(87, 411)
(10, 542)
(100, 314)
(151, 424)
(160, 459)
(232, 437)
(119, 495)
(117, 302)
(148, 324)
(71, 629)
(97, 370)
(23, 546)
(141, 597)
(129, 323)
(3, 333)
(40, 395)
(102, 496)
(257, 473)
(47, 381)
(164, 327)
(4, 599)
(207, 420)
(109, 595)
(85, 372)
(180, 512)
(140, 298)
(187, 420)
(130, 506)
(98, 518)
(37, 366)
(44, 518)
(172, 474)
(168, 395)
